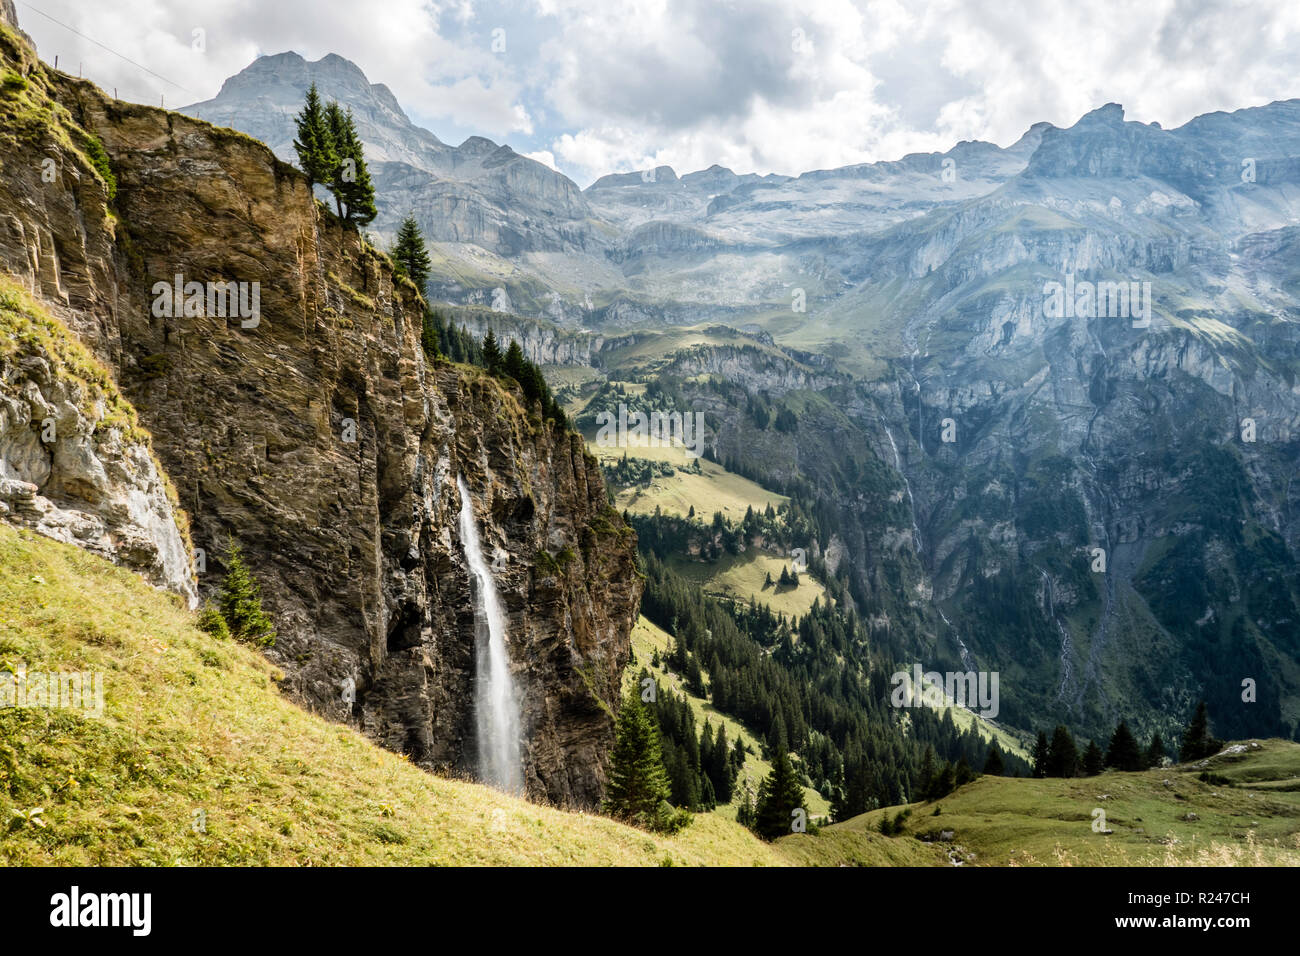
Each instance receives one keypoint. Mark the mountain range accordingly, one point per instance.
(1098, 506)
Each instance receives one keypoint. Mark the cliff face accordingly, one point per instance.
(316, 435)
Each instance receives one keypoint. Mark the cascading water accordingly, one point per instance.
(496, 706)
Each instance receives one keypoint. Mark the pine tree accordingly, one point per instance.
(776, 735)
(779, 796)
(431, 334)
(1041, 755)
(1197, 741)
(963, 774)
(745, 814)
(240, 602)
(993, 763)
(514, 363)
(638, 783)
(354, 193)
(1123, 753)
(315, 142)
(1063, 754)
(491, 352)
(1155, 755)
(719, 768)
(927, 772)
(336, 127)
(1094, 761)
(410, 254)
(944, 783)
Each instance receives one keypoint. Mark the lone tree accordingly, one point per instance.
(638, 783)
(1124, 753)
(779, 797)
(315, 141)
(240, 602)
(1197, 741)
(410, 254)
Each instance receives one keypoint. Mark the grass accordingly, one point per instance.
(1021, 822)
(741, 576)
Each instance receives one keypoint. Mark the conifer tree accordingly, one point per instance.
(963, 774)
(336, 127)
(491, 352)
(1041, 755)
(1094, 761)
(719, 767)
(1123, 753)
(1197, 741)
(1155, 754)
(410, 254)
(1063, 754)
(927, 772)
(638, 783)
(779, 796)
(513, 364)
(354, 193)
(315, 142)
(240, 602)
(993, 763)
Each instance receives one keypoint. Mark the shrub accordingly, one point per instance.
(210, 620)
(99, 159)
(241, 602)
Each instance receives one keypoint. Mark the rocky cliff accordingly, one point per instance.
(312, 430)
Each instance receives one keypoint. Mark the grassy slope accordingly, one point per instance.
(1003, 821)
(192, 723)
(716, 489)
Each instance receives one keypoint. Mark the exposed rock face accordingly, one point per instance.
(68, 474)
(321, 440)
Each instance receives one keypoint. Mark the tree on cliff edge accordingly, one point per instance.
(410, 254)
(315, 143)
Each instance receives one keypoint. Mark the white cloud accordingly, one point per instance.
(765, 86)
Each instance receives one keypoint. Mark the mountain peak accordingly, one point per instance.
(1110, 114)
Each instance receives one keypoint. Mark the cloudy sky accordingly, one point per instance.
(597, 86)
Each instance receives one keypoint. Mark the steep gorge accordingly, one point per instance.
(320, 438)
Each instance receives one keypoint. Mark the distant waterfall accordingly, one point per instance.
(496, 706)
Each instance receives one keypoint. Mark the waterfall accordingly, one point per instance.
(496, 706)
